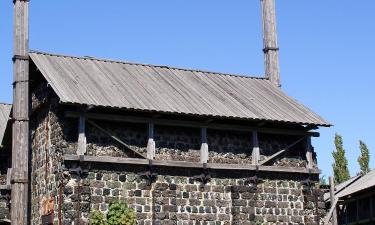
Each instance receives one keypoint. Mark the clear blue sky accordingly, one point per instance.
(326, 49)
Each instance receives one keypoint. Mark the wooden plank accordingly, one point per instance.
(184, 123)
(332, 196)
(151, 142)
(280, 152)
(5, 187)
(330, 212)
(81, 149)
(9, 175)
(20, 138)
(204, 146)
(309, 153)
(116, 138)
(184, 164)
(256, 150)
(271, 55)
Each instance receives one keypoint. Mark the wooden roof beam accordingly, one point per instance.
(184, 123)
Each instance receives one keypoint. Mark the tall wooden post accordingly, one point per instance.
(256, 150)
(309, 153)
(151, 142)
(270, 48)
(204, 146)
(332, 196)
(20, 140)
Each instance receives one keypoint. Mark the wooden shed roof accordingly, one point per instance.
(118, 84)
(361, 184)
(5, 110)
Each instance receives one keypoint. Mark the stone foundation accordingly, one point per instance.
(175, 198)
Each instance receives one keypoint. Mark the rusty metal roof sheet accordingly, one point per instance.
(99, 82)
(4, 118)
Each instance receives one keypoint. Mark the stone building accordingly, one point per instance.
(180, 146)
(5, 161)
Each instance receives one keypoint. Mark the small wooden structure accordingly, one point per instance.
(355, 200)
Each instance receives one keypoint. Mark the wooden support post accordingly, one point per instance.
(332, 196)
(81, 150)
(9, 175)
(204, 146)
(21, 100)
(270, 48)
(256, 150)
(309, 153)
(151, 142)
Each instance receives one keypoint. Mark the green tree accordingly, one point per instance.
(364, 158)
(323, 180)
(340, 166)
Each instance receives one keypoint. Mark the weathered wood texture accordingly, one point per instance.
(184, 164)
(309, 153)
(151, 142)
(271, 55)
(333, 201)
(256, 149)
(204, 146)
(20, 144)
(182, 123)
(81, 150)
(122, 85)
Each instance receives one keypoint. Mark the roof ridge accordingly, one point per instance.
(151, 65)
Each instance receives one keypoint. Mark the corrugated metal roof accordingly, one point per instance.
(363, 183)
(4, 118)
(98, 82)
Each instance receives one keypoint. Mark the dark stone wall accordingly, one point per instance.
(4, 194)
(231, 147)
(5, 163)
(176, 198)
(48, 141)
(176, 143)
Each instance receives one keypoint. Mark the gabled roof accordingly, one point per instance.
(98, 82)
(4, 118)
(365, 182)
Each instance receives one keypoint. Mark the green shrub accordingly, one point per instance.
(97, 218)
(118, 214)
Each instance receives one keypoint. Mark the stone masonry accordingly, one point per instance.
(174, 197)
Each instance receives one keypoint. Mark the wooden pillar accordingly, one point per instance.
(20, 139)
(332, 196)
(81, 149)
(150, 142)
(204, 146)
(256, 150)
(309, 153)
(270, 48)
